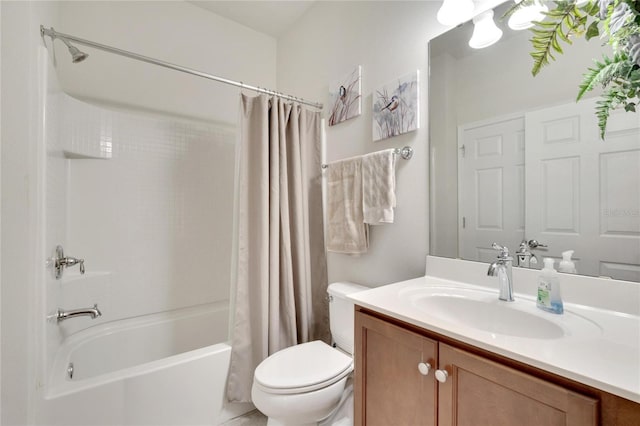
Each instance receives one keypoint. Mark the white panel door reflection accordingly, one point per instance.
(583, 193)
(491, 182)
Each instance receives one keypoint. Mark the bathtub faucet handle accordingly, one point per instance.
(62, 262)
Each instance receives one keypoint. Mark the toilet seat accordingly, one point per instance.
(302, 368)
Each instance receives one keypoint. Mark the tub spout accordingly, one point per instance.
(94, 313)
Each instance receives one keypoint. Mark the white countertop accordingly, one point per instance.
(605, 354)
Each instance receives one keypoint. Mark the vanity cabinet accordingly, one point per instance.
(407, 377)
(478, 391)
(389, 387)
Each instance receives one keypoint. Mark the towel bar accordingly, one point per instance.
(406, 153)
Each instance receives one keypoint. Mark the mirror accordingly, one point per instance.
(514, 157)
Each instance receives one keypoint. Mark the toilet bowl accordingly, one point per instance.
(304, 384)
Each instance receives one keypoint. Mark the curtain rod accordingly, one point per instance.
(54, 34)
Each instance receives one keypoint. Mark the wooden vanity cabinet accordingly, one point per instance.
(482, 392)
(390, 389)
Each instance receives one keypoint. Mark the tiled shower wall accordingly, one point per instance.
(149, 207)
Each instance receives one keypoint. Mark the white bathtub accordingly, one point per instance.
(161, 369)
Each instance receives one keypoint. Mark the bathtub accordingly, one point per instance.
(162, 369)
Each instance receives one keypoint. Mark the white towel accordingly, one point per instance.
(379, 186)
(346, 230)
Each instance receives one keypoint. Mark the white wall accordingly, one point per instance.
(389, 39)
(0, 217)
(172, 31)
(20, 41)
(156, 218)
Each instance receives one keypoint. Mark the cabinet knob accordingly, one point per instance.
(441, 375)
(424, 368)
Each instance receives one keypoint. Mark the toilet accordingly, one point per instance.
(304, 384)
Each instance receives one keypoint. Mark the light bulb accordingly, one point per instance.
(523, 18)
(485, 31)
(454, 12)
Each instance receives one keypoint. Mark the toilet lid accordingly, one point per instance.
(306, 367)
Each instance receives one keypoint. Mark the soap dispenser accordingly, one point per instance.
(566, 264)
(549, 298)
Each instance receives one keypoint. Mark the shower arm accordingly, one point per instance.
(54, 34)
(64, 40)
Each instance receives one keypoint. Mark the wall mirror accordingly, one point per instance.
(514, 157)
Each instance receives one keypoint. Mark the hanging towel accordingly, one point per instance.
(379, 186)
(346, 230)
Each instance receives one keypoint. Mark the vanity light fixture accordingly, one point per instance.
(454, 12)
(524, 17)
(485, 31)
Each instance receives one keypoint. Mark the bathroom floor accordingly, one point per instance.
(253, 418)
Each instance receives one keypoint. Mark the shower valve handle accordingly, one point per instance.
(62, 262)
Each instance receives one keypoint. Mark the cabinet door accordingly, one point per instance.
(481, 392)
(389, 387)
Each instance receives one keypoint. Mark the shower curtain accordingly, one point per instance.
(281, 276)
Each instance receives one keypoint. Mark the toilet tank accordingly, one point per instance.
(341, 317)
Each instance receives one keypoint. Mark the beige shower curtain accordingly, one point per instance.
(280, 297)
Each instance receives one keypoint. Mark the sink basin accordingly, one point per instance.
(492, 316)
(481, 310)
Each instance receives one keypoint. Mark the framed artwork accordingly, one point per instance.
(346, 97)
(396, 108)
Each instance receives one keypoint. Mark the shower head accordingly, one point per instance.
(76, 54)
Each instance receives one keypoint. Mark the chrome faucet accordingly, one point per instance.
(94, 313)
(501, 268)
(524, 257)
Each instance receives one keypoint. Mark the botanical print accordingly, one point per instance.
(396, 108)
(345, 97)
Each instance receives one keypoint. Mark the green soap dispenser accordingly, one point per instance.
(549, 298)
